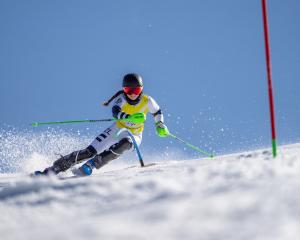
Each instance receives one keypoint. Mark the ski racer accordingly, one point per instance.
(128, 102)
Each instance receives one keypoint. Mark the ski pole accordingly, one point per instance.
(36, 124)
(192, 146)
(137, 118)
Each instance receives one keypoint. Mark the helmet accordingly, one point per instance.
(132, 80)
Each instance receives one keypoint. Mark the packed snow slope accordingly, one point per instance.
(241, 196)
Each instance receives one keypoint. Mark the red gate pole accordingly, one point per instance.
(268, 61)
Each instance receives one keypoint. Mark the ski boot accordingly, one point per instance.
(85, 170)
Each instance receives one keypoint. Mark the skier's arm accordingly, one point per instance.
(117, 113)
(161, 128)
(117, 109)
(155, 110)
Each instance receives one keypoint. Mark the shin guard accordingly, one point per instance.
(65, 162)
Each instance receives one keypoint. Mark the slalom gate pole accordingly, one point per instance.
(269, 75)
(191, 146)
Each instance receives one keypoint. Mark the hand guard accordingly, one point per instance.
(161, 129)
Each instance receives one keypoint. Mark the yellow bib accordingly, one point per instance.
(141, 107)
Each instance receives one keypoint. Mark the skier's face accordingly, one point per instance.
(132, 96)
(133, 92)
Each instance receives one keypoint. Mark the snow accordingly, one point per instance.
(240, 196)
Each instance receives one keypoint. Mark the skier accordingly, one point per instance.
(128, 103)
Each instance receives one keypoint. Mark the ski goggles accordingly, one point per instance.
(133, 90)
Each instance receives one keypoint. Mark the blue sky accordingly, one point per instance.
(203, 61)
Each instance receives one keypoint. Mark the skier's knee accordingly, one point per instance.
(113, 152)
(89, 152)
(125, 144)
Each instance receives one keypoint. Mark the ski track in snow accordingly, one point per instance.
(239, 196)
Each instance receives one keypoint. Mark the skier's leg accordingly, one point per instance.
(117, 149)
(65, 162)
(113, 152)
(105, 139)
(99, 144)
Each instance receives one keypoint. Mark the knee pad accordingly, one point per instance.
(113, 152)
(125, 144)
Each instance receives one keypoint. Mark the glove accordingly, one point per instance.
(136, 118)
(161, 129)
